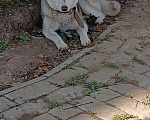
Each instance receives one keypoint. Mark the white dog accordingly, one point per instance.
(66, 15)
(100, 8)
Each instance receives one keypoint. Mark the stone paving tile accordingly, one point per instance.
(121, 33)
(45, 117)
(147, 51)
(64, 112)
(130, 45)
(66, 94)
(132, 107)
(102, 75)
(83, 117)
(31, 91)
(130, 90)
(144, 57)
(105, 95)
(94, 60)
(141, 79)
(147, 74)
(29, 108)
(138, 68)
(65, 75)
(102, 110)
(147, 87)
(3, 92)
(120, 58)
(110, 46)
(5, 104)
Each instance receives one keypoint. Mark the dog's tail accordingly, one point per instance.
(111, 8)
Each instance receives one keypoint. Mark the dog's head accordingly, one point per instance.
(62, 5)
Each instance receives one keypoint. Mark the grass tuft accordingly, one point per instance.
(3, 46)
(125, 116)
(93, 86)
(79, 78)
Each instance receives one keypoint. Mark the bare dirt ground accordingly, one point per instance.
(21, 61)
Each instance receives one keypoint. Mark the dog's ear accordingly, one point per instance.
(78, 19)
(95, 4)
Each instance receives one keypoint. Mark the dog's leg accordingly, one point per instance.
(83, 35)
(88, 9)
(100, 16)
(52, 35)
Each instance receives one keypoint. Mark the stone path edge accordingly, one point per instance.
(61, 66)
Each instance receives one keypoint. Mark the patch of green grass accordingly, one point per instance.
(1, 84)
(79, 78)
(11, 2)
(76, 61)
(124, 117)
(16, 2)
(23, 37)
(120, 78)
(93, 86)
(111, 65)
(30, 101)
(100, 41)
(140, 37)
(1, 10)
(58, 85)
(3, 46)
(6, 109)
(130, 96)
(125, 64)
(55, 103)
(147, 102)
(135, 59)
(90, 112)
(80, 65)
(2, 116)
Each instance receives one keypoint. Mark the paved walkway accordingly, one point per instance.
(116, 72)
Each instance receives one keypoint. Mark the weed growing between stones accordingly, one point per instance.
(125, 116)
(55, 103)
(111, 65)
(93, 86)
(77, 79)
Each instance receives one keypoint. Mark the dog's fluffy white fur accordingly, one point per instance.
(55, 17)
(100, 8)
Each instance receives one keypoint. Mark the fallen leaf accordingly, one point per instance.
(36, 113)
(26, 77)
(147, 46)
(148, 11)
(44, 59)
(36, 75)
(45, 68)
(134, 82)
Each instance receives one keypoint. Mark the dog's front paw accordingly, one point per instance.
(85, 42)
(62, 47)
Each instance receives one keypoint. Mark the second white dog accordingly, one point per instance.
(100, 8)
(66, 15)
